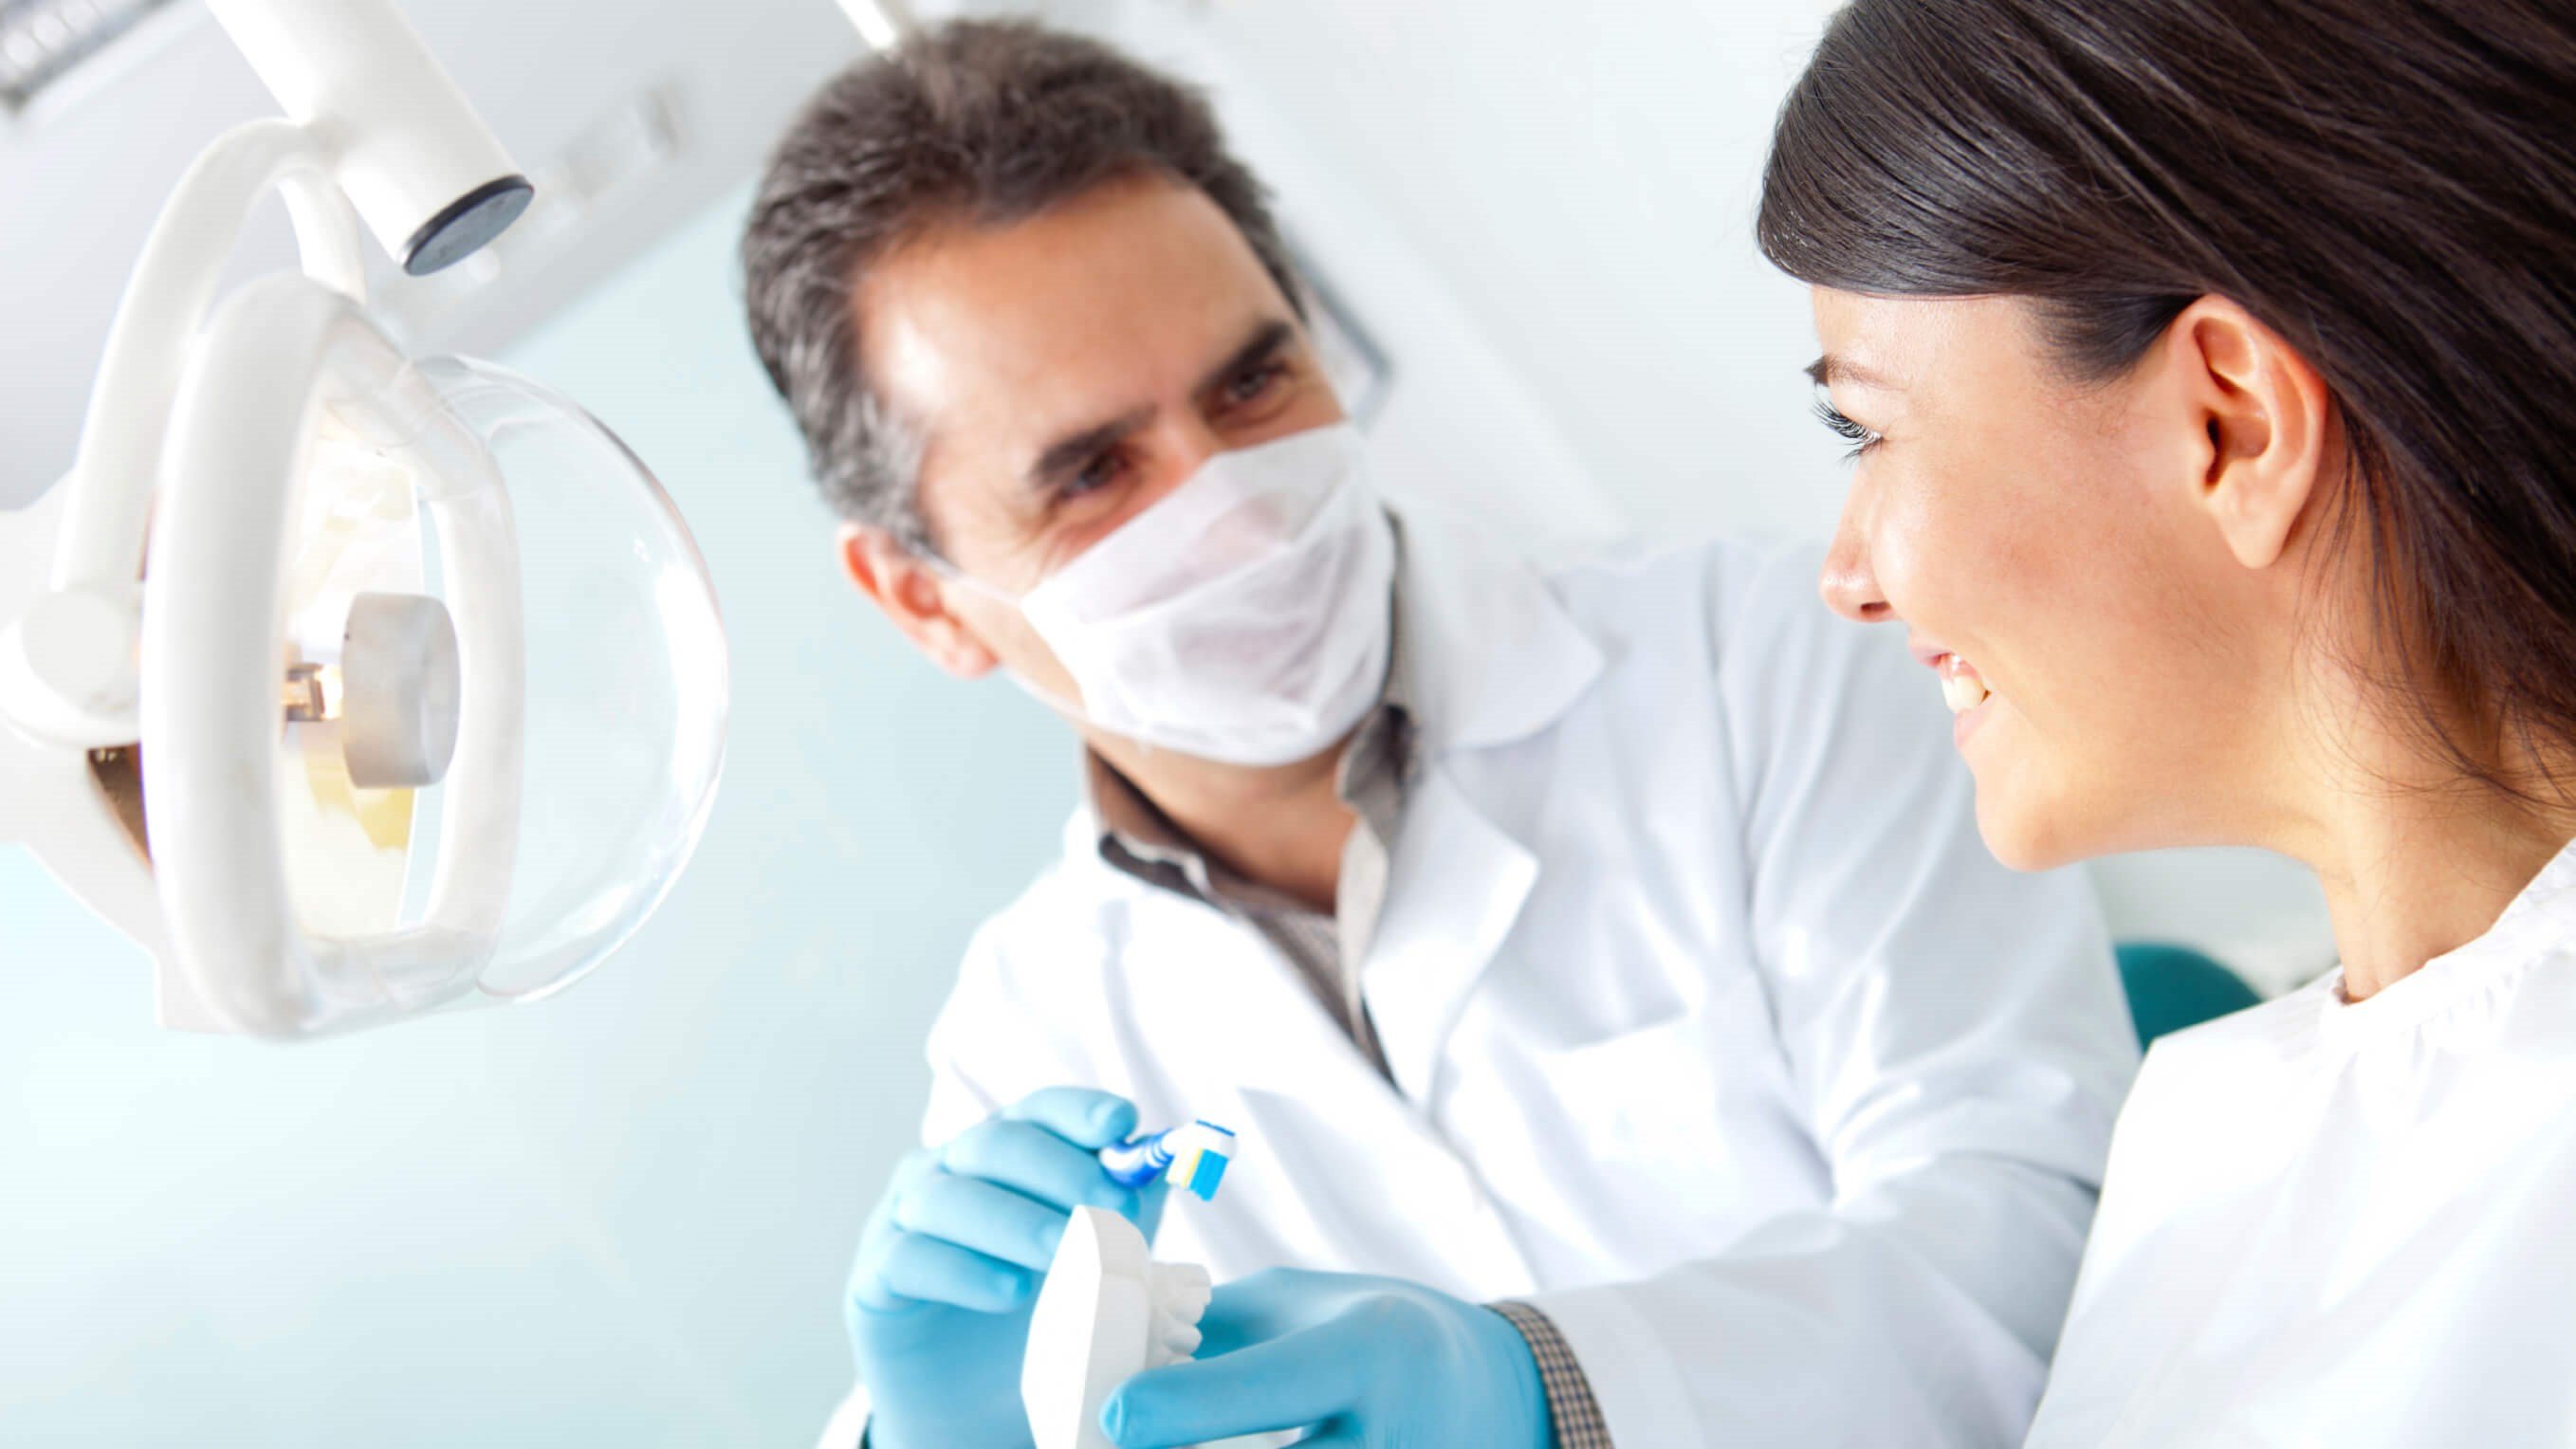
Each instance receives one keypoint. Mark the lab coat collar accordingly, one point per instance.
(1495, 659)
(1494, 656)
(1455, 888)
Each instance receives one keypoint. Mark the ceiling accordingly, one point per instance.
(634, 114)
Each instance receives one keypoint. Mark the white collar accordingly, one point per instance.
(1494, 657)
(2543, 913)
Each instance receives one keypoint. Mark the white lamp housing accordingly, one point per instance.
(287, 747)
(425, 174)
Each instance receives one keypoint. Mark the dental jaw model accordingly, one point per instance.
(1108, 1313)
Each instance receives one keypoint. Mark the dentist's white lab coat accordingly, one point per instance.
(1717, 1034)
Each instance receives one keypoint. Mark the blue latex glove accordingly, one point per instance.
(1372, 1362)
(951, 1261)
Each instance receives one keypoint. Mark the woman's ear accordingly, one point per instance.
(915, 597)
(2269, 421)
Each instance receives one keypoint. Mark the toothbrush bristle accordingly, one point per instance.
(1206, 1171)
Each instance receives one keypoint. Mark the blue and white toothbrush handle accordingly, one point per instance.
(1193, 1156)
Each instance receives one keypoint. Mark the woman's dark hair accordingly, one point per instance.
(2390, 185)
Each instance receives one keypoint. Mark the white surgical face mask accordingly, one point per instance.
(1245, 617)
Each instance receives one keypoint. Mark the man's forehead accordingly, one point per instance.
(1124, 290)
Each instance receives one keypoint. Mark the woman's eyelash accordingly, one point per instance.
(1861, 438)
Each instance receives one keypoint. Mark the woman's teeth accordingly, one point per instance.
(1961, 689)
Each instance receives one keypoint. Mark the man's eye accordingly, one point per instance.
(1249, 385)
(1861, 439)
(1097, 474)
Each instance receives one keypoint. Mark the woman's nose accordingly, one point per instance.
(1848, 584)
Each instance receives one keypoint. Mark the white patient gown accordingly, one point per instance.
(2346, 1223)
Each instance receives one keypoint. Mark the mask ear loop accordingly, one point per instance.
(951, 573)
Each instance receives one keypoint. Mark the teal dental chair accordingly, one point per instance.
(2172, 987)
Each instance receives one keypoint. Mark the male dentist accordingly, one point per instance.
(1630, 1039)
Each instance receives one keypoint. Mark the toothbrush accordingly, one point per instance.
(1193, 1156)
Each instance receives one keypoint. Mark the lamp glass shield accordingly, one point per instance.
(506, 680)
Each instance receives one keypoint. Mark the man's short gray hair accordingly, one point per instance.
(981, 123)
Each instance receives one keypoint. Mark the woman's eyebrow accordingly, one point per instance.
(1829, 369)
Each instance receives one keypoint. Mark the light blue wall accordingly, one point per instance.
(618, 1217)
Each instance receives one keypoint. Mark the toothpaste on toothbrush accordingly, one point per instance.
(1193, 1156)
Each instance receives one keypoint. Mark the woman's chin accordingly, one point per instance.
(2020, 834)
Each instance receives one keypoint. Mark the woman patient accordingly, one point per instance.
(2208, 369)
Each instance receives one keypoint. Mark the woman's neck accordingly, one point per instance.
(2406, 886)
(2416, 858)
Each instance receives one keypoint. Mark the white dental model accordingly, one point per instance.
(1108, 1312)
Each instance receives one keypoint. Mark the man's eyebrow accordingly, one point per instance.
(1070, 452)
(1829, 369)
(1267, 341)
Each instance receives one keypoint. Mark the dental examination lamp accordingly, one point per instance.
(349, 684)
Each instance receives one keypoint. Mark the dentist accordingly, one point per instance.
(1631, 1039)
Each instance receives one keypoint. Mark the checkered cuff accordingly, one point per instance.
(1570, 1406)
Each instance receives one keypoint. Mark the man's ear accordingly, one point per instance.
(916, 598)
(2268, 421)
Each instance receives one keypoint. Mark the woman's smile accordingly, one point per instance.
(1962, 688)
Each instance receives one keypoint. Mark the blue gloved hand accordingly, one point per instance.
(951, 1261)
(1372, 1362)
